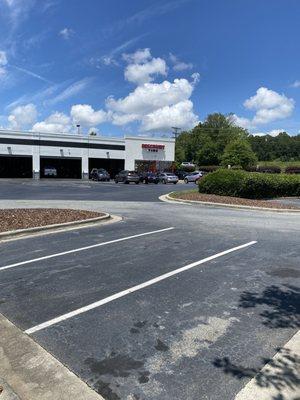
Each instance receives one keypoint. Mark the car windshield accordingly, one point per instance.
(169, 174)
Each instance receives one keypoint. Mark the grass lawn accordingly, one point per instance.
(281, 164)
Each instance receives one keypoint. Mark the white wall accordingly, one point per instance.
(135, 151)
(133, 148)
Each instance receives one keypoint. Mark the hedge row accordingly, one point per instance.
(249, 184)
(293, 169)
(208, 168)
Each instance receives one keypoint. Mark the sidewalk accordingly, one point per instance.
(29, 372)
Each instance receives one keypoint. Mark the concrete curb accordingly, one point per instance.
(7, 393)
(20, 232)
(31, 373)
(170, 199)
(289, 390)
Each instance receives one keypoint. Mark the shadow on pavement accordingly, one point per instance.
(283, 311)
(284, 305)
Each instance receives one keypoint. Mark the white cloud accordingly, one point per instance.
(66, 33)
(30, 73)
(3, 58)
(274, 133)
(3, 63)
(139, 57)
(269, 106)
(85, 115)
(179, 65)
(109, 60)
(180, 114)
(151, 96)
(70, 91)
(22, 117)
(55, 123)
(295, 84)
(17, 10)
(158, 106)
(142, 67)
(124, 119)
(245, 123)
(154, 106)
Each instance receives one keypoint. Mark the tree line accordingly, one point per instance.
(218, 141)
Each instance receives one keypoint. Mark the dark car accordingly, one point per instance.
(149, 177)
(181, 174)
(127, 177)
(100, 174)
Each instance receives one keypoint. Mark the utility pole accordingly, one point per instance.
(176, 131)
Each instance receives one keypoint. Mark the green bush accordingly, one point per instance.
(249, 184)
(238, 152)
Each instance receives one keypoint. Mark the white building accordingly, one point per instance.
(27, 154)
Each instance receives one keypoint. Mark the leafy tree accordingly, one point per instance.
(208, 139)
(239, 152)
(208, 154)
(281, 147)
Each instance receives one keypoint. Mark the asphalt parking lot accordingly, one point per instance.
(173, 302)
(47, 189)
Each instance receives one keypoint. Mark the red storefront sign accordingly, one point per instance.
(153, 146)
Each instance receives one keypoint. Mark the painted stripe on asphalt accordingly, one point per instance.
(84, 248)
(131, 290)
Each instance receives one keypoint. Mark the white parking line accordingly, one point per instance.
(83, 248)
(131, 290)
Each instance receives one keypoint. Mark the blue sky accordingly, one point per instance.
(142, 66)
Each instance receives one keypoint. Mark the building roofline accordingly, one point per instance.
(75, 136)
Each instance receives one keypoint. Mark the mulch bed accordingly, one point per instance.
(193, 195)
(22, 218)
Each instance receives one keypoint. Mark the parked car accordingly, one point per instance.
(193, 177)
(181, 174)
(149, 177)
(100, 174)
(168, 177)
(186, 164)
(50, 171)
(127, 177)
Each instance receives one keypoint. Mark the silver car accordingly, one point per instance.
(193, 177)
(168, 177)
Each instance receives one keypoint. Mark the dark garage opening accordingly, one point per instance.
(66, 168)
(112, 166)
(15, 167)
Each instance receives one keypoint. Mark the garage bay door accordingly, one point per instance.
(113, 166)
(15, 167)
(66, 168)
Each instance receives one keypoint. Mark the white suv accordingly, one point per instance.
(193, 177)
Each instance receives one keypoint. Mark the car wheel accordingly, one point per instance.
(116, 181)
(137, 182)
(165, 182)
(126, 182)
(174, 183)
(156, 182)
(186, 180)
(146, 182)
